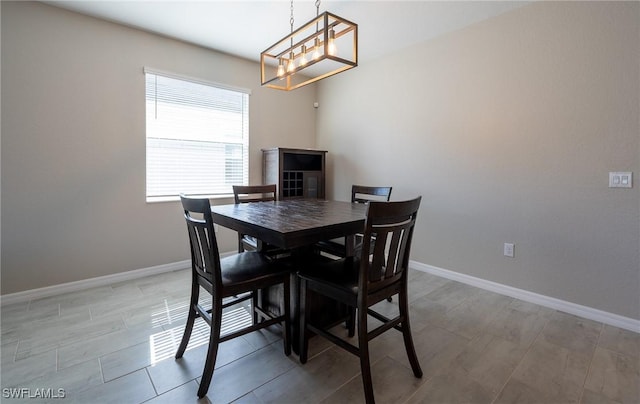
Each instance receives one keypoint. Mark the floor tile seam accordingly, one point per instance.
(29, 380)
(254, 351)
(529, 348)
(260, 401)
(21, 324)
(101, 371)
(466, 369)
(27, 333)
(571, 350)
(15, 352)
(49, 349)
(422, 385)
(467, 339)
(100, 358)
(263, 384)
(153, 385)
(455, 306)
(620, 352)
(66, 342)
(93, 357)
(358, 374)
(310, 357)
(120, 311)
(168, 391)
(590, 367)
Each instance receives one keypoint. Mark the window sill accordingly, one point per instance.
(161, 199)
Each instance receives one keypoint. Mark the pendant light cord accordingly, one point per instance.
(291, 22)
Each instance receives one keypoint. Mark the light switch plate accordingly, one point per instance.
(620, 179)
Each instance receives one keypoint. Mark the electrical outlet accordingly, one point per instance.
(509, 250)
(621, 179)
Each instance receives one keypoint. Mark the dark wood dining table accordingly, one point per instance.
(296, 224)
(292, 223)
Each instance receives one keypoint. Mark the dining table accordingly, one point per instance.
(296, 225)
(292, 223)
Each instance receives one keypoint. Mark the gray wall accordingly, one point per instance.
(508, 129)
(73, 144)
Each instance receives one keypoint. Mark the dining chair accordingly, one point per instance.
(338, 247)
(359, 194)
(229, 281)
(247, 194)
(360, 282)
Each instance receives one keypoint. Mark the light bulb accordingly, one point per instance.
(280, 68)
(303, 58)
(316, 49)
(291, 66)
(332, 43)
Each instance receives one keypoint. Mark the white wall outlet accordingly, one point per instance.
(620, 179)
(509, 250)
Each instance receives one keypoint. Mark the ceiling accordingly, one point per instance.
(246, 28)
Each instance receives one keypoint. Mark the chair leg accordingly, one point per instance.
(406, 333)
(286, 326)
(212, 352)
(365, 364)
(304, 313)
(191, 317)
(240, 244)
(351, 322)
(255, 295)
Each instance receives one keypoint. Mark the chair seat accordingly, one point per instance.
(359, 194)
(249, 270)
(337, 246)
(334, 247)
(341, 273)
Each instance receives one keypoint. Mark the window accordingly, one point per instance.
(197, 137)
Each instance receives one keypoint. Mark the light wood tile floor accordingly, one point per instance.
(115, 344)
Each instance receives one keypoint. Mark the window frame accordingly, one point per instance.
(245, 140)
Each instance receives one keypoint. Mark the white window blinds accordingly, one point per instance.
(197, 137)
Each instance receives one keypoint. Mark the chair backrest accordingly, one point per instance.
(205, 257)
(363, 194)
(254, 193)
(387, 236)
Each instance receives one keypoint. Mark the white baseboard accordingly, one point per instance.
(542, 300)
(40, 293)
(546, 301)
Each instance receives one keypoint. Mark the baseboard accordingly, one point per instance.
(542, 300)
(546, 301)
(96, 282)
(40, 293)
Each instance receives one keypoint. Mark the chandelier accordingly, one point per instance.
(324, 46)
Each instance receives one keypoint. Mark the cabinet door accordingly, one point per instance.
(313, 185)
